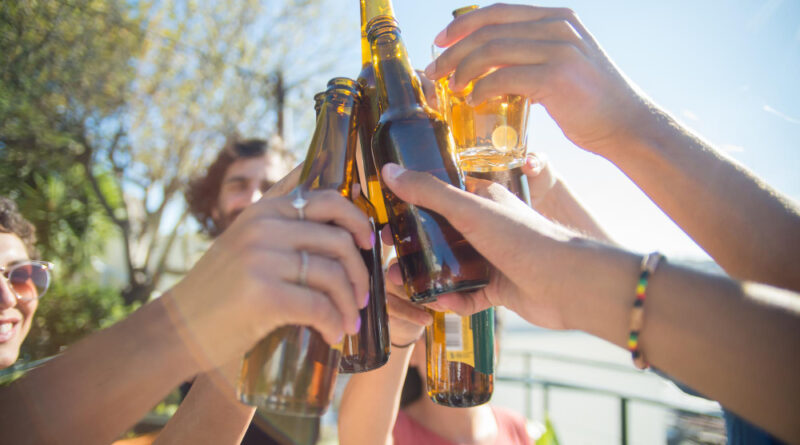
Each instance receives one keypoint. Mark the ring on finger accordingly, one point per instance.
(299, 203)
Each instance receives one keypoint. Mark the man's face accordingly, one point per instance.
(244, 183)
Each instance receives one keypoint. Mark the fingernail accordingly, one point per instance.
(372, 239)
(430, 69)
(439, 39)
(366, 300)
(391, 171)
(340, 337)
(358, 324)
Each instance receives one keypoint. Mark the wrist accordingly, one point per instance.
(598, 298)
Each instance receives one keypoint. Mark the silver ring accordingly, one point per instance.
(303, 268)
(299, 203)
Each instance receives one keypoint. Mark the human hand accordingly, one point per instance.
(526, 250)
(407, 320)
(246, 285)
(547, 55)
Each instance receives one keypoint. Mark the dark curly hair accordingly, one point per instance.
(203, 191)
(11, 221)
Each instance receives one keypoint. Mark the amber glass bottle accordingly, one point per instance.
(434, 258)
(293, 370)
(460, 358)
(370, 108)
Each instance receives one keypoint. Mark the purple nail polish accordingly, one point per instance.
(372, 239)
(358, 324)
(366, 299)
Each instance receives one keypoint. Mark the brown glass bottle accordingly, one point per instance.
(293, 370)
(434, 258)
(370, 106)
(460, 358)
(369, 349)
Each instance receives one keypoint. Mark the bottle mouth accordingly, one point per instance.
(381, 24)
(343, 85)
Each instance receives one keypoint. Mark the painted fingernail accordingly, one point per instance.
(358, 324)
(340, 337)
(430, 69)
(372, 239)
(391, 171)
(366, 300)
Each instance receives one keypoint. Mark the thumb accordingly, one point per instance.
(426, 191)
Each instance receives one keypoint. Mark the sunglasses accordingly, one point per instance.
(28, 280)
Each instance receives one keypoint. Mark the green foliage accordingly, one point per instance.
(68, 313)
(549, 436)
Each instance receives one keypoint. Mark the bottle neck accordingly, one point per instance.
(330, 160)
(369, 10)
(398, 86)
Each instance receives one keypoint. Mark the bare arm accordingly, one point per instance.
(101, 385)
(548, 55)
(747, 227)
(375, 395)
(733, 341)
(210, 413)
(551, 197)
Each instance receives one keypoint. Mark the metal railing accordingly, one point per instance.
(529, 381)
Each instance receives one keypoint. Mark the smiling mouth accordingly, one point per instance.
(7, 331)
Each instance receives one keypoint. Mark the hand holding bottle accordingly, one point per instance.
(250, 274)
(508, 233)
(407, 320)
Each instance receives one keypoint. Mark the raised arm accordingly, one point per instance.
(733, 341)
(243, 288)
(371, 400)
(548, 55)
(551, 197)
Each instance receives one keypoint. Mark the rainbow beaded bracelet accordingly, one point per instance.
(649, 264)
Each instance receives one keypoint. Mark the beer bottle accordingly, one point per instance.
(370, 108)
(460, 358)
(293, 370)
(369, 348)
(434, 258)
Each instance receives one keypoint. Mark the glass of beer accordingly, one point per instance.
(490, 136)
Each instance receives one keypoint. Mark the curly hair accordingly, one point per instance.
(11, 221)
(203, 191)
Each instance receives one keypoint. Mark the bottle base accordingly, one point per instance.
(430, 295)
(356, 366)
(460, 400)
(284, 407)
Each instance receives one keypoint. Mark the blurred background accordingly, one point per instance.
(107, 108)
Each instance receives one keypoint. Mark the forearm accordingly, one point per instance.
(735, 343)
(100, 386)
(747, 227)
(210, 413)
(560, 205)
(371, 401)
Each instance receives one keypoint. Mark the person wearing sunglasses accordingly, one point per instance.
(23, 280)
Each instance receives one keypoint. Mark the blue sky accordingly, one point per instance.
(729, 70)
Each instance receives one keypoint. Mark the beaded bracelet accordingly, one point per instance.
(649, 264)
